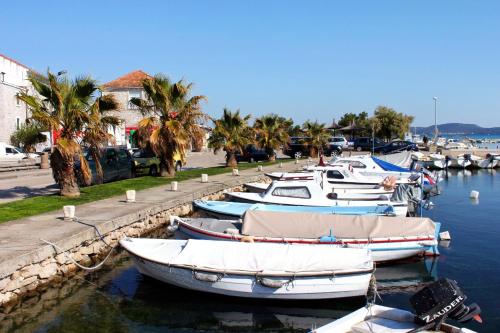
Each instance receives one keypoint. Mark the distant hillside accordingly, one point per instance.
(458, 128)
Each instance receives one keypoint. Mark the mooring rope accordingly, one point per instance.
(74, 261)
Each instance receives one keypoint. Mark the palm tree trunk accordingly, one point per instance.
(64, 174)
(313, 152)
(167, 168)
(271, 154)
(231, 160)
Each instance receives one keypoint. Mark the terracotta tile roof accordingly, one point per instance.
(131, 80)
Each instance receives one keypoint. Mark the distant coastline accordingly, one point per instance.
(458, 129)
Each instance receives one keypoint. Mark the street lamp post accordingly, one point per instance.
(435, 119)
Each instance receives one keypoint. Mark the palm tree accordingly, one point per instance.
(66, 106)
(272, 132)
(232, 134)
(28, 136)
(96, 131)
(171, 120)
(317, 136)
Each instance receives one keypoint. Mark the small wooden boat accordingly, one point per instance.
(270, 271)
(389, 238)
(235, 210)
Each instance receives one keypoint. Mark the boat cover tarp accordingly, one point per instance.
(389, 166)
(250, 257)
(401, 159)
(239, 208)
(310, 225)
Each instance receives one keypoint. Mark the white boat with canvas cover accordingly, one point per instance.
(310, 193)
(254, 270)
(342, 193)
(388, 238)
(341, 176)
(380, 319)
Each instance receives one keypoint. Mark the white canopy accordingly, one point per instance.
(250, 258)
(315, 225)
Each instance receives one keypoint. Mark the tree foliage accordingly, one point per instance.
(390, 124)
(171, 119)
(67, 106)
(231, 134)
(317, 135)
(272, 132)
(28, 136)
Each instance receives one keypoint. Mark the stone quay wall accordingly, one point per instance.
(36, 271)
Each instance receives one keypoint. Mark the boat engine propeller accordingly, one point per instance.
(441, 300)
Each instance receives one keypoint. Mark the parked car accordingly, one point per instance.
(252, 154)
(116, 164)
(146, 162)
(396, 146)
(11, 153)
(339, 141)
(298, 147)
(367, 143)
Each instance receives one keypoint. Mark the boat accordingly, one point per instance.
(478, 162)
(431, 161)
(342, 193)
(389, 238)
(310, 193)
(256, 187)
(378, 318)
(260, 270)
(433, 304)
(236, 210)
(459, 162)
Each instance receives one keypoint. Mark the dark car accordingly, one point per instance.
(396, 146)
(299, 147)
(252, 154)
(116, 164)
(367, 143)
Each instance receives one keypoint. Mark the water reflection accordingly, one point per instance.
(406, 276)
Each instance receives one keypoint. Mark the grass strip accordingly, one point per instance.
(43, 204)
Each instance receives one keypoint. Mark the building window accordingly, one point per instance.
(18, 101)
(18, 122)
(133, 94)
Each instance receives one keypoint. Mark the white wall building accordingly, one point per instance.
(124, 89)
(13, 112)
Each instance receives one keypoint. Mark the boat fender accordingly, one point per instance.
(207, 277)
(271, 283)
(247, 239)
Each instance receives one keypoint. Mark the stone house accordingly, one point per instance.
(124, 89)
(13, 112)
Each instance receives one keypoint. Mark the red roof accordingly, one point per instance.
(131, 80)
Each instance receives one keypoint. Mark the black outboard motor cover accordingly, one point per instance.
(440, 300)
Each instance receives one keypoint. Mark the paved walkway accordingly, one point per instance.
(20, 240)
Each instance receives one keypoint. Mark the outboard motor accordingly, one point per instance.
(408, 193)
(441, 300)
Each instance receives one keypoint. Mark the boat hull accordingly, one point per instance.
(382, 251)
(248, 286)
(400, 209)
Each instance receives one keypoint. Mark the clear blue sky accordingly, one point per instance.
(304, 59)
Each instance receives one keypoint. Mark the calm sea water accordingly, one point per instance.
(121, 300)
